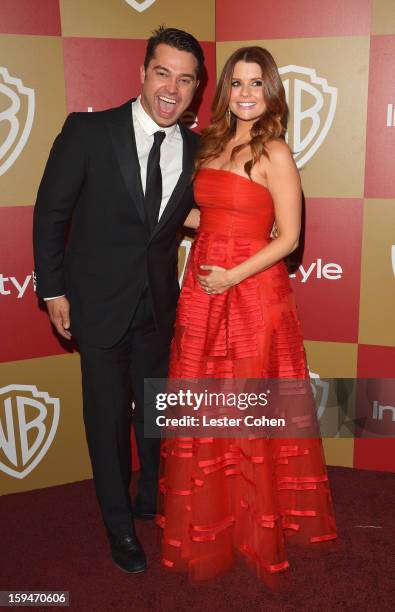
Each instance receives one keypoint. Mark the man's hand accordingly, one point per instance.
(59, 314)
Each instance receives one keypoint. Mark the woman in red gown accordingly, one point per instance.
(237, 318)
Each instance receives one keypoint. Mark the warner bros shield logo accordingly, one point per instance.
(140, 5)
(320, 389)
(312, 105)
(28, 422)
(17, 104)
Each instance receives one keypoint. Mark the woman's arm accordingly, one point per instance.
(283, 182)
(193, 219)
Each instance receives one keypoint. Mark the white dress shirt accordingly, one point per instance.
(170, 153)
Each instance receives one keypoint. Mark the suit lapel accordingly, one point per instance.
(124, 142)
(187, 169)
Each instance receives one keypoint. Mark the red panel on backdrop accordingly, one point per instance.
(265, 19)
(380, 137)
(327, 282)
(376, 361)
(375, 454)
(25, 331)
(375, 408)
(27, 17)
(101, 73)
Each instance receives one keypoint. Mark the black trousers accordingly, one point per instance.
(111, 379)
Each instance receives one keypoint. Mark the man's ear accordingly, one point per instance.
(142, 74)
(197, 84)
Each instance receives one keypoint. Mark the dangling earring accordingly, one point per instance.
(228, 114)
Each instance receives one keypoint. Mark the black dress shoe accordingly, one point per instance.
(128, 554)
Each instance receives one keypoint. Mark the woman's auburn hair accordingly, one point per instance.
(270, 126)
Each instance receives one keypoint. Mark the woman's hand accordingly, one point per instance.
(218, 281)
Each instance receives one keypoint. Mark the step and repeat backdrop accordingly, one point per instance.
(337, 61)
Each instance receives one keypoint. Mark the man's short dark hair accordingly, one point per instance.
(183, 41)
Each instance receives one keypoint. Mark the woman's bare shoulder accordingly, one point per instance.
(279, 158)
(278, 150)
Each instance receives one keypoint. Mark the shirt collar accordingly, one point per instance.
(147, 123)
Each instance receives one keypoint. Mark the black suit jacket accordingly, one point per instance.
(92, 179)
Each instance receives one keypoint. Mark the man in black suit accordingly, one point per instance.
(121, 180)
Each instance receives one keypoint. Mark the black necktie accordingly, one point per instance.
(153, 187)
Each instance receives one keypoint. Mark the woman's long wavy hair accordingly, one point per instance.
(269, 126)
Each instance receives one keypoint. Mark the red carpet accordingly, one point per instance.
(53, 539)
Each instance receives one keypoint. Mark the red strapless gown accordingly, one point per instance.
(219, 496)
